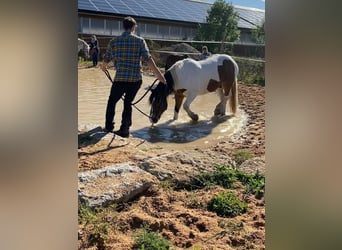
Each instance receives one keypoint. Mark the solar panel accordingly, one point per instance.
(103, 6)
(176, 10)
(86, 5)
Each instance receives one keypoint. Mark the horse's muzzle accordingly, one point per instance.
(153, 120)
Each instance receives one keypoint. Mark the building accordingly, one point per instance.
(157, 19)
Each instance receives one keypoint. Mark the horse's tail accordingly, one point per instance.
(233, 100)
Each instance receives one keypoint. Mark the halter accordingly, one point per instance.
(133, 104)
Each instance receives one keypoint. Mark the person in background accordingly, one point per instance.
(205, 53)
(127, 52)
(94, 50)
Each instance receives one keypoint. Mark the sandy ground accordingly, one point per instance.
(179, 215)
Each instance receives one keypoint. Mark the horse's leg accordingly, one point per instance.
(220, 108)
(186, 106)
(179, 96)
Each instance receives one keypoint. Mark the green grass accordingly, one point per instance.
(251, 72)
(148, 240)
(84, 63)
(222, 176)
(227, 176)
(227, 204)
(242, 155)
(97, 223)
(254, 183)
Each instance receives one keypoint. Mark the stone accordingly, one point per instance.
(118, 183)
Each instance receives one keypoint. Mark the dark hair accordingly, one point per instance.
(129, 22)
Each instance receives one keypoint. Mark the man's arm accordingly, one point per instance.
(151, 64)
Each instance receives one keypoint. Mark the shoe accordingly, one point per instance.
(107, 130)
(122, 133)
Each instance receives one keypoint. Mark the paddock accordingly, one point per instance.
(93, 91)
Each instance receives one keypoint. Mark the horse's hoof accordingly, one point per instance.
(194, 118)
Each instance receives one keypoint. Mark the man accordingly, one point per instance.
(127, 52)
(205, 53)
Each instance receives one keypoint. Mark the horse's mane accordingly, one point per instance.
(163, 90)
(172, 59)
(169, 82)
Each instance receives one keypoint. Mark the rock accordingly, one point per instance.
(253, 165)
(113, 184)
(181, 166)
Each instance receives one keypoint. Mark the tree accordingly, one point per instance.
(221, 23)
(259, 33)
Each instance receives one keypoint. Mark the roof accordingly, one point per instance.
(194, 11)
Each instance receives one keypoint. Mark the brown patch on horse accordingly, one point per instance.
(213, 85)
(227, 75)
(179, 96)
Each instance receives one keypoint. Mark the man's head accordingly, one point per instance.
(129, 23)
(204, 49)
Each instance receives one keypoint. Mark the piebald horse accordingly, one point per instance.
(191, 78)
(83, 48)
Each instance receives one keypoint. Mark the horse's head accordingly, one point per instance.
(158, 102)
(83, 49)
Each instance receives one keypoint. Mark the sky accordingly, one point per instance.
(259, 4)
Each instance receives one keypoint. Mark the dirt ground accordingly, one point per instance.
(180, 216)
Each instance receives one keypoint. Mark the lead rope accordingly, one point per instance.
(133, 104)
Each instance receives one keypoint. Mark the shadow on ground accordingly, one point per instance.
(170, 131)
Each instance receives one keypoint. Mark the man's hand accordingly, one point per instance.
(161, 78)
(103, 66)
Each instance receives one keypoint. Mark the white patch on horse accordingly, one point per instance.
(84, 47)
(193, 77)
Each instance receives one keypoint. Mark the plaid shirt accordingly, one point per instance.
(127, 51)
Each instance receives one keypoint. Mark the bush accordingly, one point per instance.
(251, 71)
(227, 204)
(255, 184)
(149, 240)
(226, 176)
(223, 176)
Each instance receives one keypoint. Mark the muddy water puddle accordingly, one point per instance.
(93, 92)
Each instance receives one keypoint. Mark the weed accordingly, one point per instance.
(251, 72)
(97, 223)
(195, 248)
(242, 155)
(223, 176)
(99, 235)
(227, 204)
(85, 213)
(193, 201)
(167, 184)
(148, 240)
(255, 184)
(223, 223)
(226, 176)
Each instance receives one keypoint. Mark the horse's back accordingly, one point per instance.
(195, 75)
(186, 70)
(172, 59)
(219, 58)
(188, 74)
